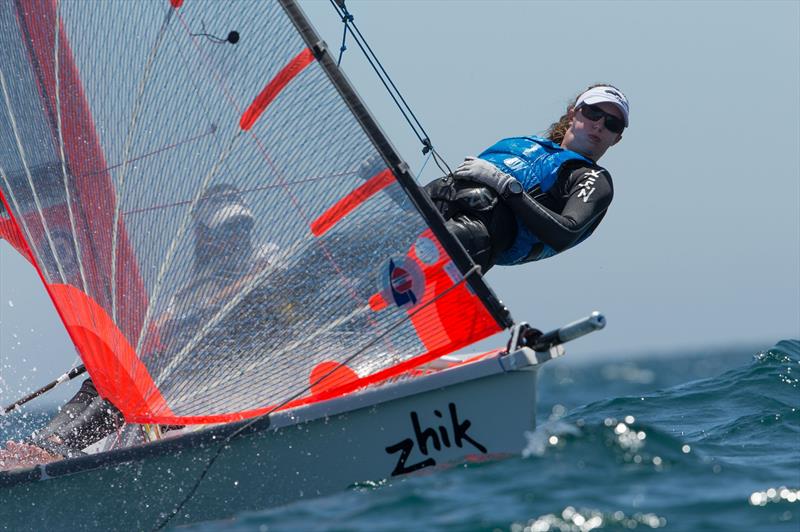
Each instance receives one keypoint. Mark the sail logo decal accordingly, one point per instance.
(403, 282)
(457, 436)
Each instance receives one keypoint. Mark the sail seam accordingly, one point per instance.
(178, 236)
(75, 238)
(126, 149)
(23, 157)
(240, 430)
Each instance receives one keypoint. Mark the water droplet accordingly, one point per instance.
(10, 303)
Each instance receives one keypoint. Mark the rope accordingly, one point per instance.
(427, 149)
(391, 88)
(347, 17)
(159, 526)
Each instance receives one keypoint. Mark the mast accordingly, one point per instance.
(399, 167)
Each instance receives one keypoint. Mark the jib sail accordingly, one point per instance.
(221, 225)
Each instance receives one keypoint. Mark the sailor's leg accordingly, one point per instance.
(85, 419)
(474, 236)
(442, 192)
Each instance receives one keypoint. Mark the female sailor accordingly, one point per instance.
(529, 198)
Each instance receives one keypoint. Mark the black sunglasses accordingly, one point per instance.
(613, 124)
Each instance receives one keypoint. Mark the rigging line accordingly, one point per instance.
(422, 168)
(240, 430)
(388, 89)
(347, 17)
(38, 71)
(232, 37)
(424, 138)
(244, 191)
(75, 236)
(223, 312)
(389, 79)
(440, 161)
(23, 157)
(282, 180)
(350, 283)
(359, 37)
(31, 249)
(126, 149)
(178, 236)
(211, 130)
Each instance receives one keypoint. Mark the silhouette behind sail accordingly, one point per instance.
(221, 225)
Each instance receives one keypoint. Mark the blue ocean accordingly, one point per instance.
(696, 441)
(699, 441)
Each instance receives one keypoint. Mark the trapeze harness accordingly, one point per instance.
(487, 227)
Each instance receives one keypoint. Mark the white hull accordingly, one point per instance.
(473, 411)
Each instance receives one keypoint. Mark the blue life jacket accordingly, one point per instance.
(535, 162)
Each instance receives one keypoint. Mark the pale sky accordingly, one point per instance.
(701, 246)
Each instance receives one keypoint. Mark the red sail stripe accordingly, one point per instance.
(274, 87)
(453, 320)
(330, 374)
(10, 233)
(84, 156)
(377, 303)
(111, 360)
(347, 204)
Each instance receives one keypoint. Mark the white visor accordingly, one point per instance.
(229, 213)
(602, 94)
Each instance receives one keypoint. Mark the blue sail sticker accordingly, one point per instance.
(403, 281)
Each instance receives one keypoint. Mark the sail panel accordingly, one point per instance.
(237, 237)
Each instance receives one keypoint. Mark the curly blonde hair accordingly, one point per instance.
(559, 128)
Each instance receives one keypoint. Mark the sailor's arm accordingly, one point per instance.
(590, 194)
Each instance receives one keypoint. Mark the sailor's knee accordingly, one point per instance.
(474, 236)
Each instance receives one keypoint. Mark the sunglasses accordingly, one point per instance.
(592, 112)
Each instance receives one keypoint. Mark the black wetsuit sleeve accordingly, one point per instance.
(587, 193)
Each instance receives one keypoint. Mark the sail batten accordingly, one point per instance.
(256, 244)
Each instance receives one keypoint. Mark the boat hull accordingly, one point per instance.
(475, 411)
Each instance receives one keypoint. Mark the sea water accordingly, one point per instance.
(698, 440)
(694, 440)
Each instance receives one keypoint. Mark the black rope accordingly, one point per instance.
(427, 147)
(391, 88)
(347, 17)
(159, 526)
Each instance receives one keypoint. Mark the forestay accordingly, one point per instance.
(218, 221)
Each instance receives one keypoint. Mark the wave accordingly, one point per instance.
(750, 410)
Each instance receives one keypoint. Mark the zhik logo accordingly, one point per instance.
(430, 435)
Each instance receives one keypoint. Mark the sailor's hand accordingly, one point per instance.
(17, 455)
(483, 172)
